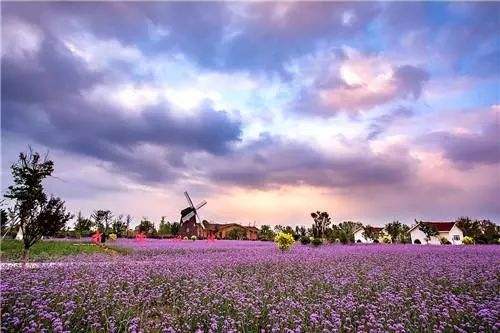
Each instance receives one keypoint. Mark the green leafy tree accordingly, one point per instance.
(175, 227)
(490, 232)
(165, 228)
(266, 233)
(37, 214)
(102, 220)
(397, 231)
(346, 231)
(469, 227)
(428, 229)
(83, 226)
(237, 233)
(370, 232)
(321, 222)
(119, 226)
(404, 235)
(147, 227)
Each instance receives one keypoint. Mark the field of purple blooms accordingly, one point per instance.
(236, 286)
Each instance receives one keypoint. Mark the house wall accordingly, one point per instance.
(455, 231)
(418, 234)
(359, 238)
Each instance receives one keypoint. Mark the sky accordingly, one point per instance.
(268, 110)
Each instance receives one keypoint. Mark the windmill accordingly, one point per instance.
(192, 211)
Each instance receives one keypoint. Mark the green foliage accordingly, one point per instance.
(321, 222)
(428, 229)
(346, 231)
(284, 241)
(316, 241)
(112, 237)
(83, 226)
(165, 228)
(102, 219)
(266, 233)
(305, 240)
(386, 239)
(119, 226)
(481, 231)
(444, 241)
(398, 232)
(236, 233)
(36, 214)
(147, 227)
(193, 238)
(12, 250)
(370, 232)
(468, 240)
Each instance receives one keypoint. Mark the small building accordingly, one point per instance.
(447, 230)
(360, 238)
(217, 230)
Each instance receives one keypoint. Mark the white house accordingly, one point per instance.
(359, 238)
(448, 230)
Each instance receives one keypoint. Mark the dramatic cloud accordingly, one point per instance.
(372, 110)
(358, 83)
(469, 149)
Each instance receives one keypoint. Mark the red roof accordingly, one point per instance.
(441, 226)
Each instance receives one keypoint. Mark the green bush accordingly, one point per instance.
(284, 241)
(386, 239)
(193, 238)
(444, 241)
(305, 240)
(317, 241)
(468, 240)
(112, 237)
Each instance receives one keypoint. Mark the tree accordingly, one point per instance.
(119, 226)
(128, 222)
(321, 222)
(346, 231)
(490, 232)
(284, 241)
(370, 232)
(266, 233)
(428, 229)
(147, 227)
(237, 233)
(469, 227)
(83, 225)
(395, 230)
(175, 228)
(37, 214)
(165, 227)
(102, 220)
(404, 235)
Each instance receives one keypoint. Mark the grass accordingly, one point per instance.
(11, 250)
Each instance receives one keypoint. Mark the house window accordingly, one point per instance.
(456, 237)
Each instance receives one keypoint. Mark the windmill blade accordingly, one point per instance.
(199, 220)
(201, 204)
(187, 217)
(189, 199)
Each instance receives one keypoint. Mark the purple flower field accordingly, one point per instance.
(231, 286)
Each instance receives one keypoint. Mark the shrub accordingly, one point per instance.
(444, 241)
(317, 241)
(468, 240)
(305, 240)
(417, 241)
(284, 241)
(112, 237)
(193, 238)
(386, 239)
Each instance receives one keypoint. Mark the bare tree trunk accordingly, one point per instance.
(26, 255)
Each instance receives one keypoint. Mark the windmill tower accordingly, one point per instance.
(190, 220)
